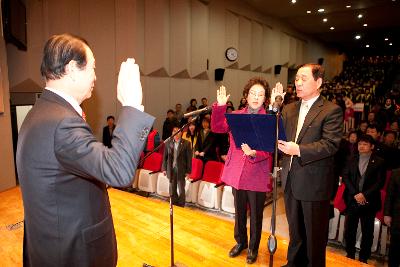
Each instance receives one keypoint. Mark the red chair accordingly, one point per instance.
(148, 175)
(338, 202)
(387, 180)
(193, 181)
(209, 196)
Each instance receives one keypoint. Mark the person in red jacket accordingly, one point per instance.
(246, 170)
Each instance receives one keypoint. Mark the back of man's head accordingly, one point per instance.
(58, 51)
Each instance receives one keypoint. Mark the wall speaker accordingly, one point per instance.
(320, 61)
(219, 74)
(277, 69)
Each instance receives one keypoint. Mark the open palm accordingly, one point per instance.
(222, 98)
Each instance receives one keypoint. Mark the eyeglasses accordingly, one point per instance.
(255, 95)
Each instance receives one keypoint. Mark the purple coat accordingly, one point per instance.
(240, 171)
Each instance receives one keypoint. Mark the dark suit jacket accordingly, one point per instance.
(63, 171)
(392, 202)
(184, 159)
(107, 137)
(373, 183)
(312, 173)
(208, 146)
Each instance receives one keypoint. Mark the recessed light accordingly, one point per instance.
(360, 16)
(321, 10)
(332, 28)
(386, 39)
(348, 6)
(325, 20)
(390, 44)
(367, 46)
(365, 25)
(293, 1)
(357, 37)
(308, 11)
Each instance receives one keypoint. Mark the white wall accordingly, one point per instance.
(172, 41)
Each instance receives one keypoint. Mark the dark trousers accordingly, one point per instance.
(394, 250)
(308, 227)
(367, 219)
(175, 181)
(256, 201)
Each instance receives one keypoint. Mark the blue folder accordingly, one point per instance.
(256, 130)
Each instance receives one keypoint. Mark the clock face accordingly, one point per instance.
(231, 54)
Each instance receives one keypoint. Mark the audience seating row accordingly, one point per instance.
(203, 187)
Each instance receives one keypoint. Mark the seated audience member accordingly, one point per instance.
(177, 164)
(364, 177)
(230, 104)
(362, 129)
(205, 147)
(169, 122)
(193, 105)
(108, 131)
(191, 135)
(392, 217)
(153, 141)
(229, 109)
(204, 103)
(243, 103)
(179, 112)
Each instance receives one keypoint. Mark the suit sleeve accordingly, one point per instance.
(80, 153)
(165, 158)
(380, 181)
(328, 144)
(346, 177)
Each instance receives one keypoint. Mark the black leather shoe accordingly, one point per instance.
(236, 250)
(251, 256)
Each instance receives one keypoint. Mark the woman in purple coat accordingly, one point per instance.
(246, 170)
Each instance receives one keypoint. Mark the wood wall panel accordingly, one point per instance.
(231, 33)
(180, 38)
(199, 40)
(256, 46)
(244, 43)
(157, 38)
(285, 48)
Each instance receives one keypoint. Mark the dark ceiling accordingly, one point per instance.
(381, 16)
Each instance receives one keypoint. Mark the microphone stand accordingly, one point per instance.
(171, 206)
(272, 242)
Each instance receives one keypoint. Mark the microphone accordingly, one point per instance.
(276, 107)
(197, 112)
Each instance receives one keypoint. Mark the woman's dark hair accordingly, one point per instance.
(257, 80)
(58, 51)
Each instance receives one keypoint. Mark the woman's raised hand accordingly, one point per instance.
(222, 98)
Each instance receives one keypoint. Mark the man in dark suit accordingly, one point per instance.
(108, 131)
(313, 129)
(364, 177)
(63, 170)
(177, 164)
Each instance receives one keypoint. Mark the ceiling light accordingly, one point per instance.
(321, 10)
(332, 28)
(308, 11)
(359, 16)
(367, 46)
(386, 39)
(357, 37)
(325, 20)
(390, 44)
(348, 6)
(365, 25)
(293, 1)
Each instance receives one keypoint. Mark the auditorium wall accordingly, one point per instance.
(7, 169)
(177, 43)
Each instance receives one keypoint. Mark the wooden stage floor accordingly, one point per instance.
(143, 234)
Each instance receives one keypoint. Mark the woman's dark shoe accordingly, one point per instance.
(251, 256)
(237, 249)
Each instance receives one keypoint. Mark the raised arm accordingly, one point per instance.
(218, 120)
